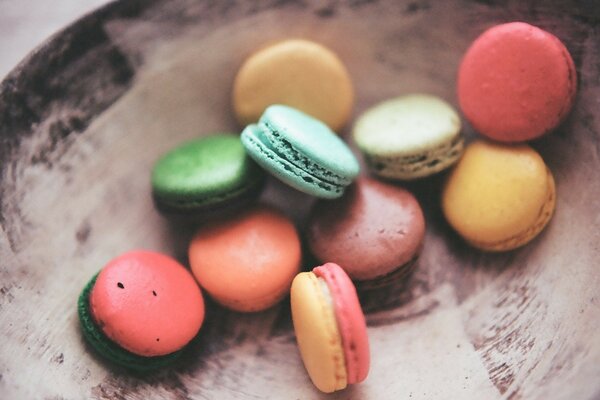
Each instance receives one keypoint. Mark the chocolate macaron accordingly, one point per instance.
(375, 231)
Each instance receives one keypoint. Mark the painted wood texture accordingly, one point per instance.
(83, 119)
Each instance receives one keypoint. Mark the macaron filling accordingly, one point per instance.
(417, 165)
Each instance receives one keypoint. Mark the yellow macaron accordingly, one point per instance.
(318, 335)
(297, 73)
(499, 197)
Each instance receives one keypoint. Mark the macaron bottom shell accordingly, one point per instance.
(109, 349)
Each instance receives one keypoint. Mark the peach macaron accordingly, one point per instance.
(247, 261)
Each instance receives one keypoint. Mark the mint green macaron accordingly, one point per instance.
(205, 174)
(409, 137)
(301, 151)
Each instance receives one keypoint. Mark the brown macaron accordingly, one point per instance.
(374, 230)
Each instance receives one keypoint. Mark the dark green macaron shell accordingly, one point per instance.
(204, 174)
(109, 349)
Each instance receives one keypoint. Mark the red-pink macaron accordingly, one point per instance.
(141, 309)
(516, 82)
(330, 328)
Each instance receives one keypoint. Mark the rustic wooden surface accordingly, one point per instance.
(84, 118)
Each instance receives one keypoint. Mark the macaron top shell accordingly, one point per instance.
(147, 303)
(351, 321)
(516, 82)
(371, 231)
(295, 131)
(495, 191)
(247, 261)
(406, 125)
(298, 73)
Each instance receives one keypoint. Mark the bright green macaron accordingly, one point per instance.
(205, 174)
(409, 137)
(301, 151)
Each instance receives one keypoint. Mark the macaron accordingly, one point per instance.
(298, 73)
(301, 151)
(205, 175)
(516, 82)
(373, 231)
(409, 137)
(141, 310)
(330, 328)
(499, 197)
(246, 262)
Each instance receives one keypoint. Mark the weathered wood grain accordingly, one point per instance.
(84, 118)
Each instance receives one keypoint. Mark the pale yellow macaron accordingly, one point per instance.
(499, 197)
(297, 73)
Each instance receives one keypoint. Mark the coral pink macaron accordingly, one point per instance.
(141, 308)
(330, 328)
(246, 262)
(516, 82)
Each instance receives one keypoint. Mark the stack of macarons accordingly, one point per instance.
(143, 308)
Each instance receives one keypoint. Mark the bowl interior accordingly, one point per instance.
(83, 120)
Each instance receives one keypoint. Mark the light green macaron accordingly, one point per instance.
(409, 137)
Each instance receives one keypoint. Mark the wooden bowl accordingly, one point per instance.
(84, 117)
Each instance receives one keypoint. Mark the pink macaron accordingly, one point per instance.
(516, 82)
(330, 328)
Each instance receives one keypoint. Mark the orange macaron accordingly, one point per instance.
(247, 262)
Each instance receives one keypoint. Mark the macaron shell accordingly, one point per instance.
(247, 262)
(147, 303)
(351, 321)
(524, 237)
(497, 192)
(317, 333)
(516, 82)
(374, 229)
(299, 73)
